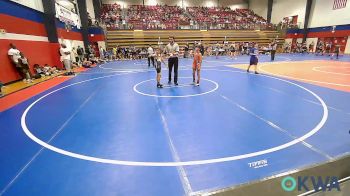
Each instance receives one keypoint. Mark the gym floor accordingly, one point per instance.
(110, 131)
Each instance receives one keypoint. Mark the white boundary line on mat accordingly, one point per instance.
(296, 78)
(180, 163)
(318, 69)
(176, 96)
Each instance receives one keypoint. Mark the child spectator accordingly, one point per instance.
(38, 71)
(86, 63)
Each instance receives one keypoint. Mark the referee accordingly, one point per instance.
(172, 49)
(273, 50)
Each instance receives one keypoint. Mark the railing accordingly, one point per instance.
(282, 26)
(192, 26)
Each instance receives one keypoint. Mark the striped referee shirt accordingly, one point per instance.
(172, 49)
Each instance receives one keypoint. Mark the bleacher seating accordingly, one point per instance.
(226, 18)
(240, 25)
(175, 17)
(139, 39)
(156, 17)
(111, 15)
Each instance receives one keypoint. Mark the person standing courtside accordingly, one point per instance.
(273, 50)
(254, 52)
(150, 58)
(14, 55)
(80, 52)
(172, 50)
(66, 59)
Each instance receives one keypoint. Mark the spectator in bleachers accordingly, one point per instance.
(173, 17)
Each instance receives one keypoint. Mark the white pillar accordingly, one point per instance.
(347, 47)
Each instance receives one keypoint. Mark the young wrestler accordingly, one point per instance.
(196, 66)
(159, 59)
(254, 58)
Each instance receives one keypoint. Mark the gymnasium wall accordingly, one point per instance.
(185, 3)
(34, 4)
(285, 8)
(347, 48)
(340, 32)
(25, 28)
(90, 8)
(322, 14)
(259, 7)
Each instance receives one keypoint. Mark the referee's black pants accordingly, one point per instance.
(173, 62)
(150, 58)
(273, 52)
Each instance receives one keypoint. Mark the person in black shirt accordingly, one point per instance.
(80, 52)
(337, 50)
(201, 48)
(273, 50)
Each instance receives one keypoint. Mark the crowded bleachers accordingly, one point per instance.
(156, 17)
(175, 17)
(126, 38)
(226, 18)
(111, 16)
(184, 24)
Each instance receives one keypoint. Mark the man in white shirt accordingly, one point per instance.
(172, 49)
(150, 58)
(14, 55)
(66, 59)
